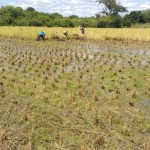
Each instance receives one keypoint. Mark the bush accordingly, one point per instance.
(103, 22)
(115, 21)
(133, 18)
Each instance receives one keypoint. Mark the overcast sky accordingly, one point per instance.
(82, 8)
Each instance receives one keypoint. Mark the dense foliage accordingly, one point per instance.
(16, 16)
(111, 7)
(135, 17)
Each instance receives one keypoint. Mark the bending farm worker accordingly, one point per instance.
(65, 33)
(41, 36)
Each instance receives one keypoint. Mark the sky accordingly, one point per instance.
(82, 8)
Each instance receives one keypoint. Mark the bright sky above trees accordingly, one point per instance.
(73, 7)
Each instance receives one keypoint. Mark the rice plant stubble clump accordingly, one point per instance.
(90, 95)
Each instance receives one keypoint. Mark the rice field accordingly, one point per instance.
(74, 94)
(139, 34)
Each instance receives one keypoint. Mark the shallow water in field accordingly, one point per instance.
(92, 86)
(145, 103)
(67, 57)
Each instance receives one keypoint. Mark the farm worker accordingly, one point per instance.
(82, 30)
(65, 33)
(41, 36)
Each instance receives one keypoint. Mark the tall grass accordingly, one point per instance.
(139, 34)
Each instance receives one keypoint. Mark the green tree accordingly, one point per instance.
(30, 9)
(97, 15)
(111, 7)
(65, 22)
(116, 21)
(104, 22)
(9, 14)
(132, 18)
(14, 12)
(6, 20)
(21, 22)
(73, 16)
(146, 15)
(55, 16)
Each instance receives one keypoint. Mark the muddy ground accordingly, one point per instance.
(74, 95)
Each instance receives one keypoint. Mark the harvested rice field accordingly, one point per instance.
(74, 94)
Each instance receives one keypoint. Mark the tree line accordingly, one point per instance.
(108, 18)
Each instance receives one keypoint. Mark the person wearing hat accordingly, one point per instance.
(65, 33)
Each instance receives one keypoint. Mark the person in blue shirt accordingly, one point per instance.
(41, 36)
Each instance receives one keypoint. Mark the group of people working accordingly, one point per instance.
(42, 34)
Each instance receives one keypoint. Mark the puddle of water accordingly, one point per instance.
(87, 53)
(145, 103)
(68, 69)
(58, 71)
